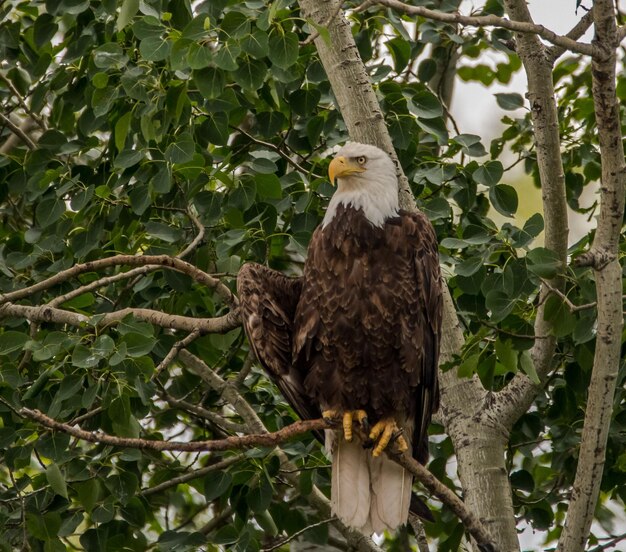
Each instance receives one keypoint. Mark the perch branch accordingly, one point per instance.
(18, 131)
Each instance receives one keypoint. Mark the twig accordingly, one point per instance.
(297, 534)
(35, 117)
(171, 355)
(572, 308)
(483, 21)
(245, 369)
(576, 32)
(202, 413)
(199, 236)
(18, 131)
(275, 148)
(173, 482)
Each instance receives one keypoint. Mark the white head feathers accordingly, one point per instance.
(366, 179)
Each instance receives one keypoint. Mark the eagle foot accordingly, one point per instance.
(387, 431)
(347, 418)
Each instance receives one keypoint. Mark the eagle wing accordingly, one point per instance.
(268, 301)
(425, 337)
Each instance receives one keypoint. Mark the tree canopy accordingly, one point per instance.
(149, 148)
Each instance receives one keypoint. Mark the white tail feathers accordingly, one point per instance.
(369, 494)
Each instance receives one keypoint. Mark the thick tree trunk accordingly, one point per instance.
(603, 257)
(463, 401)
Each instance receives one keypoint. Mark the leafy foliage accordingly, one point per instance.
(151, 116)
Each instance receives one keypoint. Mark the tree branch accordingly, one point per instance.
(235, 442)
(18, 131)
(44, 313)
(608, 277)
(126, 260)
(34, 116)
(483, 21)
(576, 32)
(217, 466)
(471, 522)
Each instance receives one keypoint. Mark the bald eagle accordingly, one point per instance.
(356, 338)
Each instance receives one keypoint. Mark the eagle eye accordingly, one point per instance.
(361, 160)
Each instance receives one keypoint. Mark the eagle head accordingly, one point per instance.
(366, 179)
(357, 164)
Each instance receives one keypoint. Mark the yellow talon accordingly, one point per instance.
(347, 425)
(347, 418)
(385, 429)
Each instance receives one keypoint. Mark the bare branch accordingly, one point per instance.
(17, 131)
(295, 535)
(229, 443)
(472, 523)
(483, 21)
(44, 313)
(125, 260)
(171, 355)
(577, 32)
(222, 464)
(34, 116)
(199, 236)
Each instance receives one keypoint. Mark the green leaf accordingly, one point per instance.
(155, 48)
(56, 480)
(499, 303)
(215, 128)
(128, 10)
(11, 341)
(251, 73)
(255, 44)
(510, 101)
(137, 344)
(182, 150)
(470, 144)
(304, 101)
(506, 355)
(121, 130)
(425, 104)
(504, 199)
(44, 29)
(268, 186)
(468, 367)
(216, 483)
(199, 55)
(400, 51)
(435, 126)
(83, 357)
(210, 81)
(49, 211)
(543, 262)
(528, 367)
(226, 57)
(109, 56)
(128, 158)
(489, 174)
(283, 49)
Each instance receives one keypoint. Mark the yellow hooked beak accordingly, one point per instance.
(340, 166)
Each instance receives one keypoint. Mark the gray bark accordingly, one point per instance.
(603, 257)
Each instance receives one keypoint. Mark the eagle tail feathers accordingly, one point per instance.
(369, 494)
